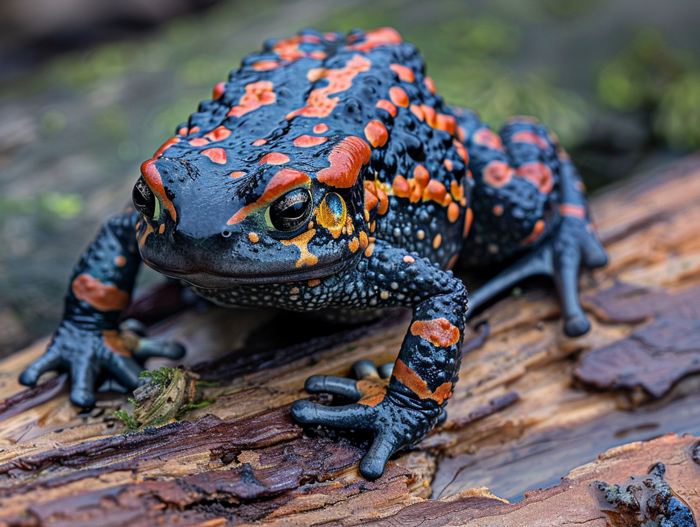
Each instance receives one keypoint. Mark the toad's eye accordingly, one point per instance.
(144, 200)
(291, 211)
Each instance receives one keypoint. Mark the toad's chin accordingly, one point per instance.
(209, 280)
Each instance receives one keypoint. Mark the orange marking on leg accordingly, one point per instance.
(405, 73)
(217, 155)
(398, 96)
(346, 159)
(319, 104)
(320, 128)
(453, 212)
(538, 174)
(256, 94)
(152, 176)
(219, 90)
(388, 106)
(274, 158)
(283, 181)
(105, 297)
(417, 385)
(569, 209)
(487, 137)
(537, 231)
(468, 217)
(113, 340)
(306, 141)
(376, 133)
(301, 242)
(439, 332)
(497, 173)
(373, 391)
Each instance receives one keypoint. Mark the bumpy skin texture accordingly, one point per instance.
(328, 174)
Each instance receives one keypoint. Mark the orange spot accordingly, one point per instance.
(301, 242)
(439, 332)
(468, 217)
(456, 190)
(417, 385)
(409, 259)
(580, 186)
(568, 209)
(347, 159)
(217, 155)
(219, 90)
(535, 234)
(430, 84)
(461, 134)
(142, 237)
(373, 391)
(120, 261)
(256, 94)
(398, 96)
(152, 176)
(314, 282)
(437, 241)
(435, 191)
(538, 174)
(487, 137)
(170, 142)
(260, 142)
(452, 262)
(527, 136)
(421, 175)
(453, 212)
(285, 180)
(318, 55)
(446, 123)
(376, 133)
(253, 237)
(354, 245)
(401, 187)
(182, 131)
(497, 210)
(364, 241)
(319, 104)
(388, 106)
(218, 134)
(112, 339)
(497, 173)
(194, 130)
(384, 36)
(101, 296)
(320, 128)
(371, 199)
(306, 141)
(448, 164)
(161, 229)
(274, 158)
(199, 141)
(265, 65)
(417, 111)
(404, 73)
(237, 174)
(461, 151)
(369, 250)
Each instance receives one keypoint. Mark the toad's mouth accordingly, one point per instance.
(211, 280)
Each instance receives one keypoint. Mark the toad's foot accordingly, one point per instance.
(395, 419)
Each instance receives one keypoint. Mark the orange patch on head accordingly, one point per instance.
(388, 106)
(569, 209)
(320, 128)
(152, 176)
(487, 137)
(497, 173)
(238, 174)
(376, 133)
(468, 217)
(398, 96)
(219, 90)
(528, 136)
(430, 84)
(439, 332)
(319, 104)
(453, 212)
(170, 142)
(347, 159)
(537, 231)
(103, 297)
(405, 73)
(274, 158)
(301, 242)
(417, 385)
(306, 141)
(256, 94)
(538, 174)
(217, 155)
(283, 181)
(218, 134)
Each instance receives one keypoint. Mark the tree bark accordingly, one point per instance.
(532, 406)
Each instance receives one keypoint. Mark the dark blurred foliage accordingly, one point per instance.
(90, 88)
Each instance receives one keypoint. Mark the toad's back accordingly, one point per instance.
(304, 95)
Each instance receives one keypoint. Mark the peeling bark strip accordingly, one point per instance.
(242, 461)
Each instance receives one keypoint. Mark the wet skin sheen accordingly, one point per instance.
(328, 174)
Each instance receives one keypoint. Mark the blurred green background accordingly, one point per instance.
(89, 89)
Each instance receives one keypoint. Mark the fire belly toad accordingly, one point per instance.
(328, 174)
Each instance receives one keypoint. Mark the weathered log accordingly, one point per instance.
(530, 407)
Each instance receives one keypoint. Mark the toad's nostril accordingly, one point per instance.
(144, 199)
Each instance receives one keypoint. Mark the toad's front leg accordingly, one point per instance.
(402, 411)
